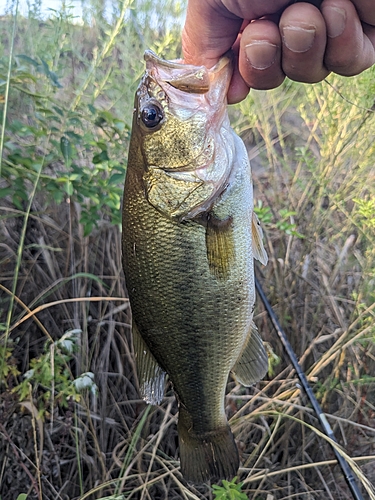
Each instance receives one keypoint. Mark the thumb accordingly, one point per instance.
(210, 30)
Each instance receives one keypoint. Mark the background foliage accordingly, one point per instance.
(71, 421)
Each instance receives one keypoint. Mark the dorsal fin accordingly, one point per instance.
(258, 247)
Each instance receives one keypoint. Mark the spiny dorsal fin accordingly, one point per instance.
(258, 247)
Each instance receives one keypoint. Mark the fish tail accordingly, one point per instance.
(212, 455)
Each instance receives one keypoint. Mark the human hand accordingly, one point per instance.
(272, 40)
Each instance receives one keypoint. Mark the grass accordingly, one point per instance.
(67, 125)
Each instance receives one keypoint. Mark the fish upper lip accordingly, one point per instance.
(149, 55)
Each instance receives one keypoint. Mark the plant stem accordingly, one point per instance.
(7, 86)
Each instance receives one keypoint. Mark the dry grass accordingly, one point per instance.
(313, 154)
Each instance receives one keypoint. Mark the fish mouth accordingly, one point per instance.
(187, 77)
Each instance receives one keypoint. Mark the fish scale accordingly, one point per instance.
(189, 272)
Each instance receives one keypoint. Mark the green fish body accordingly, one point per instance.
(189, 239)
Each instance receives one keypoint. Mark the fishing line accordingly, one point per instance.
(346, 470)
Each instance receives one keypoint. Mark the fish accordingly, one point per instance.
(189, 240)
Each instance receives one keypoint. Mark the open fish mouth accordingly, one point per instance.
(186, 77)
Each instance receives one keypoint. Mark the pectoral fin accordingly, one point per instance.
(252, 364)
(220, 245)
(258, 247)
(150, 376)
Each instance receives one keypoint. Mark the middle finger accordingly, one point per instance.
(304, 41)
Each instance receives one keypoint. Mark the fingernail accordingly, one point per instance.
(335, 19)
(298, 38)
(261, 54)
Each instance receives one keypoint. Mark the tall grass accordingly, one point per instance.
(71, 421)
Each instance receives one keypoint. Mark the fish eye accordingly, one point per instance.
(152, 115)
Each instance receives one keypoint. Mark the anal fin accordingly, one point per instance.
(151, 377)
(252, 364)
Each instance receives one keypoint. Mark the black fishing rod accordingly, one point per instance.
(347, 471)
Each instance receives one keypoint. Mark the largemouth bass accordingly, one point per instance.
(189, 240)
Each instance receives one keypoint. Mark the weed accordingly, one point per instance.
(78, 156)
(285, 223)
(231, 490)
(49, 381)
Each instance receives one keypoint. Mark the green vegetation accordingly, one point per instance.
(229, 490)
(49, 380)
(71, 421)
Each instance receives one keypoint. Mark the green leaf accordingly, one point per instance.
(22, 496)
(107, 116)
(5, 192)
(47, 112)
(73, 135)
(101, 157)
(74, 177)
(229, 491)
(54, 79)
(58, 110)
(44, 67)
(66, 148)
(119, 124)
(102, 145)
(29, 60)
(92, 109)
(87, 228)
(58, 196)
(74, 120)
(17, 159)
(116, 179)
(69, 188)
(37, 166)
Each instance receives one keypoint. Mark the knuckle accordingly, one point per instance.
(306, 74)
(267, 83)
(346, 65)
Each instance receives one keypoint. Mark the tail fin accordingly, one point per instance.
(212, 455)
